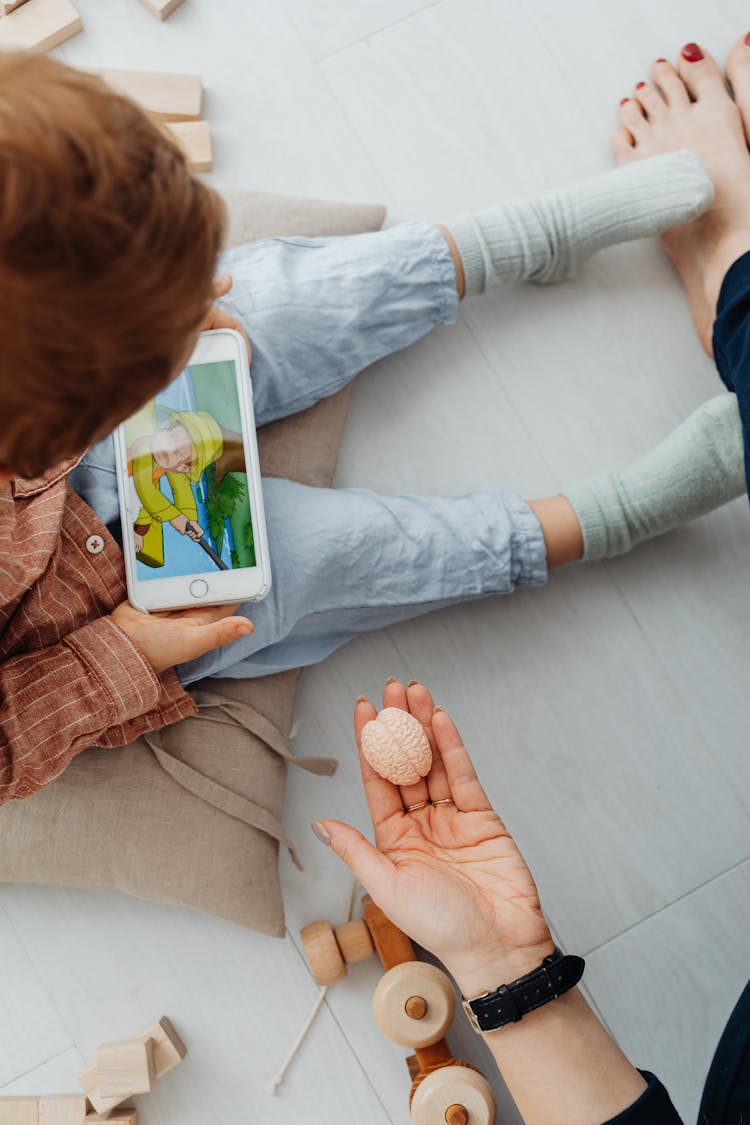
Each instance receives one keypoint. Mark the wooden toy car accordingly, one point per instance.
(414, 1005)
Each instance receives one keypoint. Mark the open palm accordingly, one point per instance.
(448, 873)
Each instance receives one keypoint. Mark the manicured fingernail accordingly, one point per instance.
(661, 60)
(361, 699)
(436, 710)
(747, 39)
(323, 834)
(413, 683)
(639, 85)
(691, 52)
(391, 680)
(623, 100)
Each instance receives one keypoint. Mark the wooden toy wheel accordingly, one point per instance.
(323, 953)
(414, 1004)
(453, 1095)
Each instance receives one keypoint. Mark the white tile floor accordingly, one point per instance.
(607, 713)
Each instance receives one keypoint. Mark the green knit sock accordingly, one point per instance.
(545, 237)
(700, 466)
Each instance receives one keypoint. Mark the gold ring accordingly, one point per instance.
(419, 805)
(445, 801)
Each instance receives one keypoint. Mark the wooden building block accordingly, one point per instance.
(19, 1111)
(161, 8)
(169, 1049)
(39, 25)
(194, 138)
(88, 1080)
(8, 6)
(125, 1115)
(63, 1109)
(167, 97)
(125, 1068)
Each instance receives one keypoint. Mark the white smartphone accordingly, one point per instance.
(188, 478)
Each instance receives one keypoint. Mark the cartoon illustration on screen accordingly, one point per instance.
(187, 477)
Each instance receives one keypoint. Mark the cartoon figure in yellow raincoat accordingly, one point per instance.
(180, 449)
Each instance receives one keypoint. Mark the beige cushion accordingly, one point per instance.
(192, 815)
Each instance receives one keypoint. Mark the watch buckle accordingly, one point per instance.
(471, 1016)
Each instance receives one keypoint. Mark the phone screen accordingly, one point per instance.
(187, 491)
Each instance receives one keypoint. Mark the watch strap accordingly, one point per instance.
(510, 1002)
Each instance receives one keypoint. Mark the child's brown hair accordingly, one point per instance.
(107, 251)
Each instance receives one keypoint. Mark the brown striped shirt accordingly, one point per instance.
(69, 677)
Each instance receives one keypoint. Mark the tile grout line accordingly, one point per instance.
(73, 1044)
(668, 906)
(375, 33)
(38, 1066)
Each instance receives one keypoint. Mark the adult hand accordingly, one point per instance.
(170, 638)
(219, 318)
(449, 875)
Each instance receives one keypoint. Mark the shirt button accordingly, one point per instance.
(94, 544)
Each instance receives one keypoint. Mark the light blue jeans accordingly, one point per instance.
(318, 311)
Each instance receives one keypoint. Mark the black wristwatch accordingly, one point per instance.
(510, 1002)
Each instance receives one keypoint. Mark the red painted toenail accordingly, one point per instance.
(691, 52)
(623, 100)
(639, 85)
(747, 39)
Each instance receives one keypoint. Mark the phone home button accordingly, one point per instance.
(199, 588)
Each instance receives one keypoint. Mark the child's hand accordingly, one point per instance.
(167, 639)
(218, 318)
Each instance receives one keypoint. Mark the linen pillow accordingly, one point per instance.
(193, 814)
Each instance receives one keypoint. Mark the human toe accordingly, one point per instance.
(632, 117)
(622, 145)
(738, 73)
(700, 73)
(650, 101)
(666, 78)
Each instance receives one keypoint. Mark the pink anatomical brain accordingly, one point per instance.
(396, 746)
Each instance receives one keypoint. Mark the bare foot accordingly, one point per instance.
(689, 107)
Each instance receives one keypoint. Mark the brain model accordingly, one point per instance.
(397, 747)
